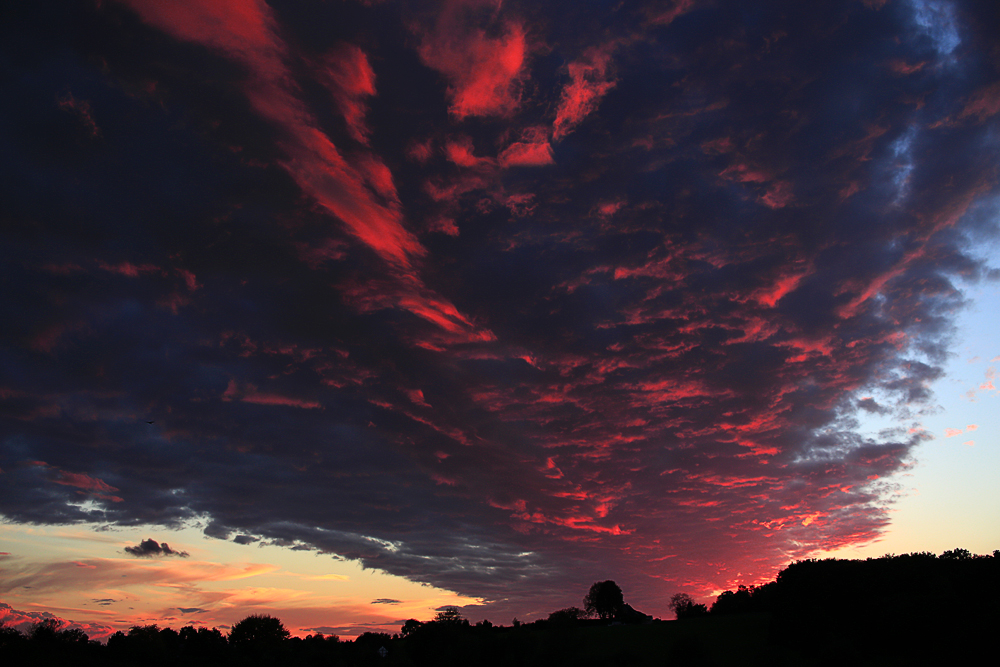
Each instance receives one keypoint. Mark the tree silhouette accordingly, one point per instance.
(684, 606)
(258, 631)
(604, 599)
(567, 616)
(450, 616)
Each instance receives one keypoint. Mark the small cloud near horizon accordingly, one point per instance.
(152, 549)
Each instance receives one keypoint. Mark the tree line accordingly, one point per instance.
(809, 602)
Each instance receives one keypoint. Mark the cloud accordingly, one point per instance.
(589, 82)
(152, 549)
(484, 71)
(386, 601)
(504, 300)
(106, 573)
(359, 192)
(666, 11)
(522, 154)
(351, 81)
(23, 621)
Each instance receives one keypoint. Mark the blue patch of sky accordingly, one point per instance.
(936, 19)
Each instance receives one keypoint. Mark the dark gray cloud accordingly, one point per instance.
(615, 313)
(149, 548)
(386, 601)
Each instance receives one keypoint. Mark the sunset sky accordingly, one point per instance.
(346, 311)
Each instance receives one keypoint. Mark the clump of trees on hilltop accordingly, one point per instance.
(854, 609)
(929, 608)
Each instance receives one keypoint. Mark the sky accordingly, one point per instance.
(347, 311)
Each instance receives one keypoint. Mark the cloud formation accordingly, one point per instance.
(23, 621)
(150, 548)
(504, 298)
(483, 70)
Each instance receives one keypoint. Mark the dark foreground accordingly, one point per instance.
(915, 609)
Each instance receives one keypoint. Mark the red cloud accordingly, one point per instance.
(787, 283)
(984, 103)
(744, 173)
(25, 620)
(420, 151)
(900, 67)
(589, 82)
(249, 394)
(718, 146)
(778, 195)
(460, 152)
(83, 111)
(359, 192)
(609, 208)
(85, 482)
(484, 71)
(533, 149)
(443, 225)
(351, 80)
(411, 294)
(521, 154)
(664, 13)
(92, 486)
(246, 31)
(128, 269)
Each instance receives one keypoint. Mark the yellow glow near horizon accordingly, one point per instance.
(83, 574)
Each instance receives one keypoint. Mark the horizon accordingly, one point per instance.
(355, 311)
(25, 622)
